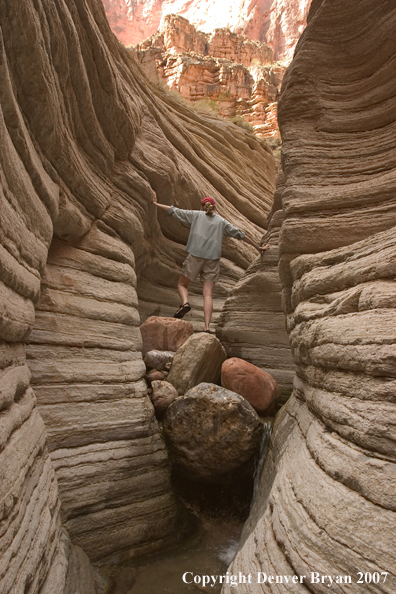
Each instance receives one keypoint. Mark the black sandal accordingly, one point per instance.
(183, 309)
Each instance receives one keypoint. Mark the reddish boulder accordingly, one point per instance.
(162, 395)
(154, 375)
(258, 387)
(164, 334)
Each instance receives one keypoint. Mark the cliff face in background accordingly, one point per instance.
(279, 23)
(85, 141)
(327, 497)
(222, 71)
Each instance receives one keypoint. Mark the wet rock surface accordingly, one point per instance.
(211, 432)
(198, 360)
(258, 387)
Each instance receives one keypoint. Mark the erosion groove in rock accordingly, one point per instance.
(85, 141)
(326, 501)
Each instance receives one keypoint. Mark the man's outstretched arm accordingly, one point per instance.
(259, 248)
(162, 206)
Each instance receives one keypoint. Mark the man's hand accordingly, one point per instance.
(264, 248)
(161, 206)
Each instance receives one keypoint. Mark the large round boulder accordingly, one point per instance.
(256, 385)
(211, 432)
(198, 360)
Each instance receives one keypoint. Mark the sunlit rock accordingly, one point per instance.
(279, 23)
(223, 71)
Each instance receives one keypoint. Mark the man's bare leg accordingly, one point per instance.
(182, 288)
(208, 302)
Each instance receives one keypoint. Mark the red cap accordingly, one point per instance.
(208, 199)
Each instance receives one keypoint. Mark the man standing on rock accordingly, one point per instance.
(204, 251)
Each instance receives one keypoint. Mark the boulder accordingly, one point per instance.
(154, 375)
(211, 432)
(162, 395)
(198, 360)
(256, 385)
(164, 334)
(158, 359)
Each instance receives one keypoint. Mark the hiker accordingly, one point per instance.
(204, 251)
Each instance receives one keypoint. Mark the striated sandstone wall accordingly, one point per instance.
(85, 140)
(326, 499)
(278, 23)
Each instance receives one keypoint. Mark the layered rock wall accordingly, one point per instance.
(85, 142)
(326, 499)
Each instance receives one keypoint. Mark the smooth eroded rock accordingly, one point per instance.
(256, 385)
(164, 334)
(198, 360)
(163, 394)
(158, 359)
(211, 432)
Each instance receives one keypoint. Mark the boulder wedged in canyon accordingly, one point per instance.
(257, 386)
(198, 360)
(85, 141)
(326, 501)
(160, 360)
(211, 432)
(163, 394)
(164, 334)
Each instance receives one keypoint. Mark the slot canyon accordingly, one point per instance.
(92, 462)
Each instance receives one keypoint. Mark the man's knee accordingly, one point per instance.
(183, 281)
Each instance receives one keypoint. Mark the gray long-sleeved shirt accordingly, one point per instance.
(206, 235)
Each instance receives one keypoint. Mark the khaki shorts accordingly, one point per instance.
(209, 270)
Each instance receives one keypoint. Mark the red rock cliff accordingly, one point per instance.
(228, 72)
(279, 23)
